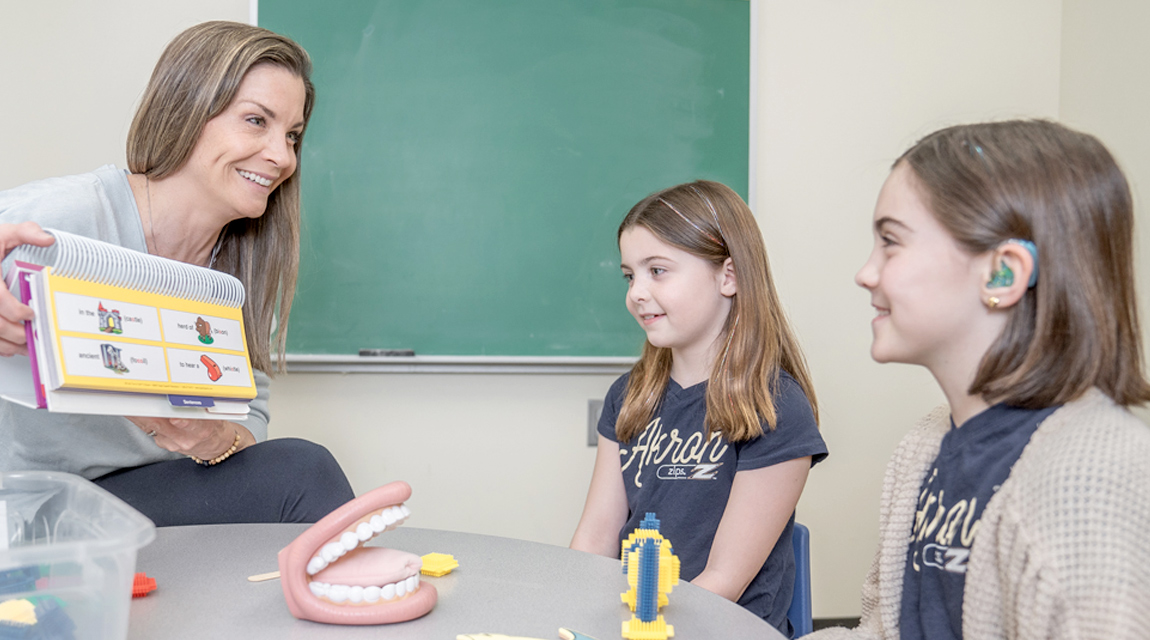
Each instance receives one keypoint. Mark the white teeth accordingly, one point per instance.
(332, 551)
(256, 179)
(339, 593)
(387, 518)
(349, 541)
(364, 532)
(316, 565)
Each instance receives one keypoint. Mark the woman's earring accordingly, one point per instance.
(1004, 277)
(992, 301)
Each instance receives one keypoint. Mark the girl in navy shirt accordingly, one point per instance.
(715, 428)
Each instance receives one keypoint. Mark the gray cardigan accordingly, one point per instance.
(97, 205)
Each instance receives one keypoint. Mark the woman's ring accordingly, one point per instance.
(152, 433)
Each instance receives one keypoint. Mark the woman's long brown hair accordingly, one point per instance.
(194, 81)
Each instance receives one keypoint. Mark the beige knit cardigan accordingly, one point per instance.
(1062, 549)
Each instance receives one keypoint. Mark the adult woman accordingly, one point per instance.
(213, 152)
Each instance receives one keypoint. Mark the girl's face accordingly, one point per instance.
(924, 287)
(248, 150)
(681, 301)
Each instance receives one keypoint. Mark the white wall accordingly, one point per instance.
(843, 88)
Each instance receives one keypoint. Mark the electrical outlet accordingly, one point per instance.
(594, 409)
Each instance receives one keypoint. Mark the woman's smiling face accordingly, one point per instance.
(249, 149)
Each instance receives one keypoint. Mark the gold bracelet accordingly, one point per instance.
(223, 456)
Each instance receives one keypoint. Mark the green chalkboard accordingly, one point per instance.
(468, 163)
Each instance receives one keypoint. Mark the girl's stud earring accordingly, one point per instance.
(992, 301)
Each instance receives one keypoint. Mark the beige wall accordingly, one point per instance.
(842, 88)
(71, 74)
(1105, 90)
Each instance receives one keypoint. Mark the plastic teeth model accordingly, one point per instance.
(330, 576)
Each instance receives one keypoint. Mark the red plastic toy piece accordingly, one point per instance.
(142, 585)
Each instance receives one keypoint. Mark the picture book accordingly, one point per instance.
(119, 332)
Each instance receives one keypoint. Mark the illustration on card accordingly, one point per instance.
(111, 358)
(204, 328)
(214, 372)
(110, 321)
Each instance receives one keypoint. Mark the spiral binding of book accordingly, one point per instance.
(74, 256)
(119, 332)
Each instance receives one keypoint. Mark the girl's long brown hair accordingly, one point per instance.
(759, 338)
(1061, 189)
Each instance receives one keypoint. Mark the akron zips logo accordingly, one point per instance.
(695, 458)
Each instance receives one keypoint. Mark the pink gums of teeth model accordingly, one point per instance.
(337, 540)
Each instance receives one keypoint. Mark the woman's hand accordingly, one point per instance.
(203, 439)
(13, 313)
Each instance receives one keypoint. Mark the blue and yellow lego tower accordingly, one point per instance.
(652, 571)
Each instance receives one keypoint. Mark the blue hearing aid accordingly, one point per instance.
(1004, 275)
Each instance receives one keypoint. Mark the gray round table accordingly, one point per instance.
(513, 587)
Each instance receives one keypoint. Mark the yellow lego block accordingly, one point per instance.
(668, 570)
(636, 629)
(20, 612)
(639, 534)
(438, 564)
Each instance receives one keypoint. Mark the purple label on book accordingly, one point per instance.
(191, 401)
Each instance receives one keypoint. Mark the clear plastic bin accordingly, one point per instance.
(71, 554)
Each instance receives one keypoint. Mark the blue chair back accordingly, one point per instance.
(800, 613)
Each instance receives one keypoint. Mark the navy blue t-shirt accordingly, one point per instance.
(973, 461)
(675, 471)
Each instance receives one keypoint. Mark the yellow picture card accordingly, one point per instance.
(116, 339)
(124, 294)
(103, 365)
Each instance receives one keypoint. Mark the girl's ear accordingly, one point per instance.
(1007, 275)
(728, 286)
